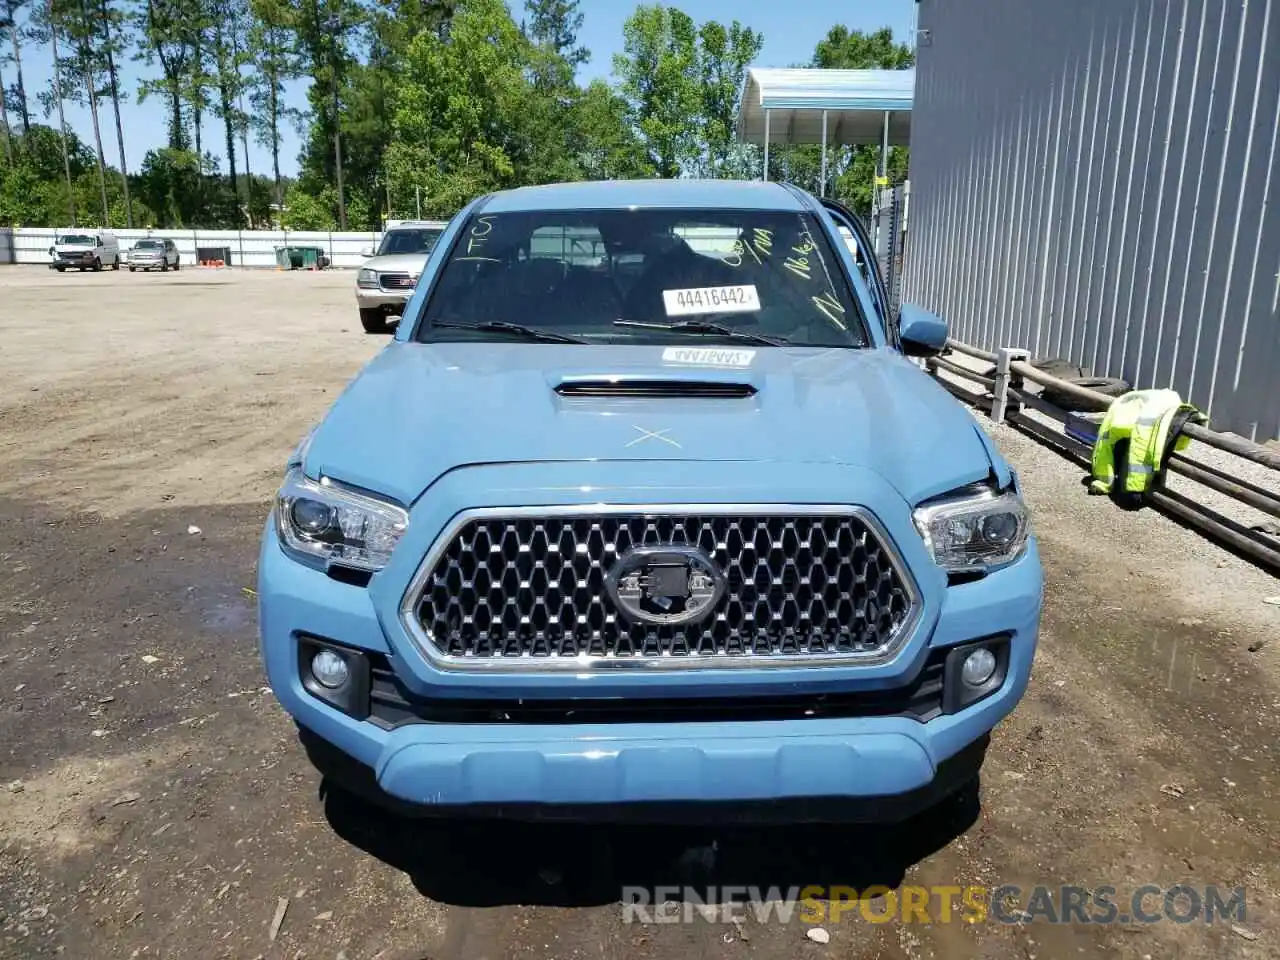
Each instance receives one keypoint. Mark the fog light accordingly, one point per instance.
(978, 667)
(330, 670)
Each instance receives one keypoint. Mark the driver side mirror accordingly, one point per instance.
(923, 334)
(366, 252)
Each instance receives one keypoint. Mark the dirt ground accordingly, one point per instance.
(154, 801)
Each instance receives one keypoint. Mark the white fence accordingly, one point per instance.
(248, 248)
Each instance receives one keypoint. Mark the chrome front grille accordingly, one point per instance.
(529, 589)
(395, 281)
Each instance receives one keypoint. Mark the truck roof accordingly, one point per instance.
(623, 194)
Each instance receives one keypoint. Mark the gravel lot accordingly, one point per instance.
(154, 803)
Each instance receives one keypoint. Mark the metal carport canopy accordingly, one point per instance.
(839, 107)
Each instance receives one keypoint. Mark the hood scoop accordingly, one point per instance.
(653, 389)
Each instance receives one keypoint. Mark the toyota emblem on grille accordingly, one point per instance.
(665, 584)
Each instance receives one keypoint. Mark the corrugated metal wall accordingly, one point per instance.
(1099, 180)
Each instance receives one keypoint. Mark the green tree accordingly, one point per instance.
(115, 41)
(845, 49)
(32, 190)
(9, 25)
(325, 30)
(554, 25)
(166, 40)
(79, 23)
(272, 53)
(462, 109)
(53, 98)
(658, 74)
(724, 54)
(227, 46)
(554, 53)
(306, 212)
(682, 83)
(4, 118)
(609, 147)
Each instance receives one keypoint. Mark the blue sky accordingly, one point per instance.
(790, 33)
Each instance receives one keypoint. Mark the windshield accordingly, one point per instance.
(647, 276)
(148, 245)
(409, 241)
(76, 240)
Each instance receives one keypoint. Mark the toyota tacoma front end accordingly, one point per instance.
(645, 510)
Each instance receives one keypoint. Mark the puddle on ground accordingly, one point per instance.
(232, 616)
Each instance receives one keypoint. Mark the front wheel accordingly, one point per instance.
(115, 264)
(373, 321)
(61, 269)
(97, 265)
(177, 265)
(164, 266)
(133, 269)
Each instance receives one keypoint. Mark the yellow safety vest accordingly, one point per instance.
(1144, 418)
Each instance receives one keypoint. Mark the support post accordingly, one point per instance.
(766, 145)
(823, 190)
(1000, 392)
(884, 147)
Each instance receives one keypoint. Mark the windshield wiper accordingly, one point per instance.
(708, 326)
(502, 326)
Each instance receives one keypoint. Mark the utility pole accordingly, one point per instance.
(417, 196)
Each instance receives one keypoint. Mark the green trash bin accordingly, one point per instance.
(300, 258)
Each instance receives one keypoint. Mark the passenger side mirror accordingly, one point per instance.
(366, 252)
(923, 334)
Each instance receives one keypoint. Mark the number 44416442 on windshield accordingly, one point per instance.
(696, 300)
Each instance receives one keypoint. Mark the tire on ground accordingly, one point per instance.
(1108, 386)
(373, 321)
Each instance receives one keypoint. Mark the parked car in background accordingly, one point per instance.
(387, 280)
(154, 253)
(646, 509)
(85, 250)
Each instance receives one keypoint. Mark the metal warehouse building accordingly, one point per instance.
(1097, 180)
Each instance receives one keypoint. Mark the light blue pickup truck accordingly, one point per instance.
(645, 510)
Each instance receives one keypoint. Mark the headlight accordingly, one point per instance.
(975, 532)
(367, 278)
(328, 524)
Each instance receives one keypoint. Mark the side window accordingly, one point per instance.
(97, 241)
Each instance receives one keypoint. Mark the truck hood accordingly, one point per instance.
(418, 411)
(397, 262)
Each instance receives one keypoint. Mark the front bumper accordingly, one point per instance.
(76, 260)
(388, 301)
(445, 766)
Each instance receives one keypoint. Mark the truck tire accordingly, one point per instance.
(373, 321)
(164, 266)
(133, 269)
(97, 265)
(115, 264)
(61, 269)
(177, 265)
(1108, 386)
